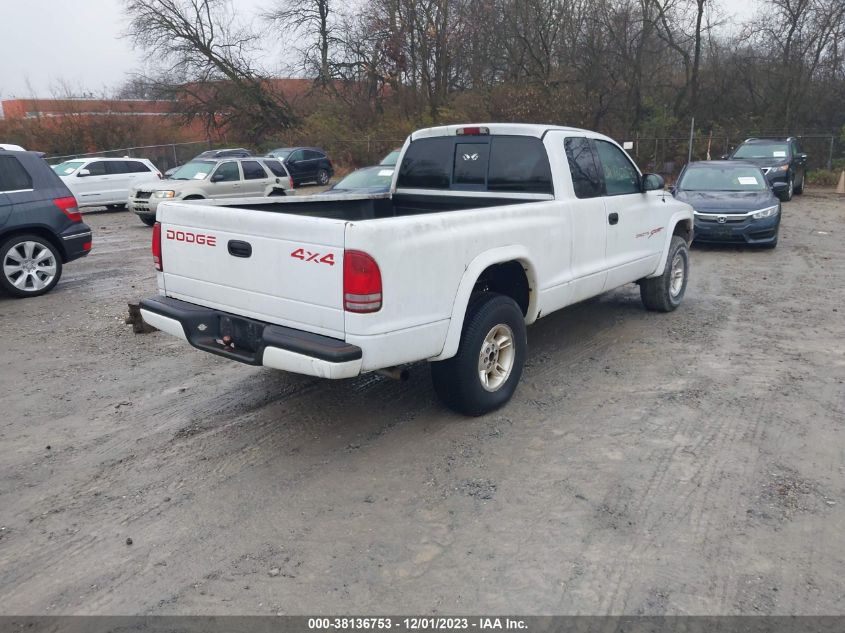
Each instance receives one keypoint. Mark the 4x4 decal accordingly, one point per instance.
(317, 258)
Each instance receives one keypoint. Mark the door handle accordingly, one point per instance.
(237, 248)
(613, 218)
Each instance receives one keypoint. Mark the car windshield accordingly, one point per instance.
(68, 167)
(391, 158)
(195, 170)
(279, 153)
(762, 150)
(728, 178)
(366, 179)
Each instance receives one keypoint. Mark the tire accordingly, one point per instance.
(193, 198)
(323, 177)
(31, 266)
(149, 220)
(116, 207)
(786, 196)
(799, 190)
(666, 292)
(491, 320)
(277, 193)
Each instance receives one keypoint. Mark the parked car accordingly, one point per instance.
(486, 229)
(391, 158)
(11, 148)
(236, 152)
(365, 180)
(98, 182)
(40, 225)
(733, 202)
(305, 164)
(781, 160)
(221, 178)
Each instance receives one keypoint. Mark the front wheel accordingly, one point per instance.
(786, 196)
(116, 207)
(31, 266)
(665, 293)
(149, 220)
(484, 373)
(799, 189)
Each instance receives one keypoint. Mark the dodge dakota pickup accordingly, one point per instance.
(486, 228)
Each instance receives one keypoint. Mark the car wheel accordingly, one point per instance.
(665, 293)
(31, 266)
(149, 220)
(800, 189)
(786, 196)
(323, 177)
(115, 207)
(484, 373)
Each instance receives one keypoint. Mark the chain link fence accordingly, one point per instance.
(162, 156)
(668, 155)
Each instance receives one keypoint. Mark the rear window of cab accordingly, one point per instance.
(515, 164)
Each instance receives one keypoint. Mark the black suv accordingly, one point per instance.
(40, 225)
(238, 152)
(781, 160)
(305, 164)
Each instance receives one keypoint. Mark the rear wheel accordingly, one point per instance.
(484, 373)
(31, 266)
(665, 293)
(116, 207)
(323, 177)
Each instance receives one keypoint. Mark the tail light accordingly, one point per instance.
(157, 246)
(361, 283)
(290, 180)
(69, 208)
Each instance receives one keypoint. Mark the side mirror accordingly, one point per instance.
(652, 182)
(216, 177)
(82, 173)
(803, 157)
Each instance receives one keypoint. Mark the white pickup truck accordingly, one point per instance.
(485, 229)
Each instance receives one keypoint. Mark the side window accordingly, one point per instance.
(13, 177)
(227, 172)
(620, 176)
(297, 155)
(115, 167)
(97, 168)
(519, 164)
(582, 165)
(253, 170)
(277, 168)
(137, 167)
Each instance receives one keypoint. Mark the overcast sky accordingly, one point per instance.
(80, 42)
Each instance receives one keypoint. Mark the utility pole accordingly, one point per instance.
(691, 134)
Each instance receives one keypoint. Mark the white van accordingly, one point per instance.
(97, 182)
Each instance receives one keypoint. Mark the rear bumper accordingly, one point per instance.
(76, 241)
(253, 342)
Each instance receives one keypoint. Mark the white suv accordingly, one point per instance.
(97, 182)
(213, 178)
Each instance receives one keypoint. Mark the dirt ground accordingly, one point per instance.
(689, 463)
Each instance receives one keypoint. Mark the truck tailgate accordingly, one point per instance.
(275, 267)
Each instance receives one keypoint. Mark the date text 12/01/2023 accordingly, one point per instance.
(416, 624)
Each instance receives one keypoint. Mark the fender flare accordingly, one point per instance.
(677, 217)
(471, 274)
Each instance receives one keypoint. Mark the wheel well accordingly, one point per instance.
(684, 229)
(194, 197)
(509, 279)
(40, 232)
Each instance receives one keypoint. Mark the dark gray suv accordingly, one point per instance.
(40, 225)
(782, 162)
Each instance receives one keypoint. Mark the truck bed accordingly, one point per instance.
(358, 207)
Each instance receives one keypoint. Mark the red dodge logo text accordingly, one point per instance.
(191, 238)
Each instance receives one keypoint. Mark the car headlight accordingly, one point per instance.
(779, 168)
(165, 194)
(766, 213)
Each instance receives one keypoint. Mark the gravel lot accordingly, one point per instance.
(688, 463)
